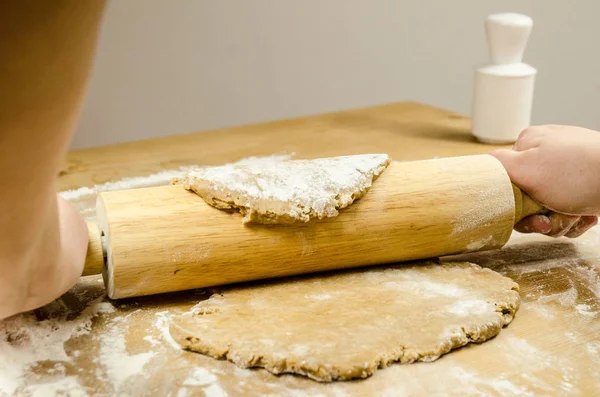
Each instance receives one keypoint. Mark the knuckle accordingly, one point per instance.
(529, 138)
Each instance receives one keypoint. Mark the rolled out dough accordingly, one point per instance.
(287, 191)
(346, 325)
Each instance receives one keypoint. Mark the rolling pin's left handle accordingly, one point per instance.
(526, 206)
(94, 260)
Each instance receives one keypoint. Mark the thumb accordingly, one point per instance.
(514, 165)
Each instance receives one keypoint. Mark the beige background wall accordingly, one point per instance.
(167, 67)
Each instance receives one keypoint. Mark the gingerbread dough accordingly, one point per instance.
(287, 191)
(346, 325)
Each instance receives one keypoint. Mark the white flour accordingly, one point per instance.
(163, 178)
(536, 363)
(480, 243)
(120, 365)
(293, 190)
(162, 323)
(474, 380)
(589, 277)
(490, 205)
(567, 298)
(585, 310)
(84, 197)
(24, 341)
(425, 287)
(160, 178)
(202, 379)
(67, 386)
(264, 159)
(468, 307)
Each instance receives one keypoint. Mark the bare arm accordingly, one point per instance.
(46, 53)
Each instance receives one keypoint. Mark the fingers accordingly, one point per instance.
(557, 225)
(561, 224)
(529, 138)
(515, 165)
(523, 163)
(515, 160)
(534, 224)
(583, 225)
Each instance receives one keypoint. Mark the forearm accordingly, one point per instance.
(62, 258)
(49, 265)
(46, 48)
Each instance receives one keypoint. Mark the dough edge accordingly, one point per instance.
(505, 310)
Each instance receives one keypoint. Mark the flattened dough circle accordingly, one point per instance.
(348, 324)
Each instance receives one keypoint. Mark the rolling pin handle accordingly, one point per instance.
(96, 252)
(526, 206)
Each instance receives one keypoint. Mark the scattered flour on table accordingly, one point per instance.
(202, 379)
(264, 159)
(542, 309)
(67, 386)
(162, 323)
(159, 178)
(585, 310)
(590, 277)
(152, 340)
(119, 364)
(538, 364)
(594, 348)
(24, 341)
(567, 298)
(84, 198)
(502, 386)
(163, 177)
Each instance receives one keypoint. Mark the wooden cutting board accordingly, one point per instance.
(551, 348)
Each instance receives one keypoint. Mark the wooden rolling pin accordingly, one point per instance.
(164, 239)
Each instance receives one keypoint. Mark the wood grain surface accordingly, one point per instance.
(552, 348)
(407, 131)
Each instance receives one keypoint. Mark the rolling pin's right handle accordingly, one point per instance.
(526, 206)
(94, 260)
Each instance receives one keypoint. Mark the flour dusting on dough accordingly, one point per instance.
(25, 341)
(288, 191)
(423, 286)
(344, 325)
(468, 307)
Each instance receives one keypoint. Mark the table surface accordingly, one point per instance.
(123, 348)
